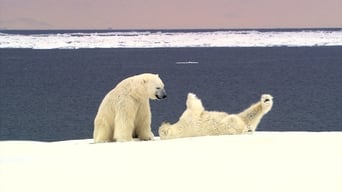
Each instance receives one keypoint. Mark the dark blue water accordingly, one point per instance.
(54, 94)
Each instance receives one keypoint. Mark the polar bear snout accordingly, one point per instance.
(161, 94)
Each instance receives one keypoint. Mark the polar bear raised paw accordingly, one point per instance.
(266, 102)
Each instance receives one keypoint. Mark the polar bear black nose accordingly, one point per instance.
(161, 94)
(266, 100)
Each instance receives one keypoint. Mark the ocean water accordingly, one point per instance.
(53, 92)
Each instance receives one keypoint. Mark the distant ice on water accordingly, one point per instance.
(159, 39)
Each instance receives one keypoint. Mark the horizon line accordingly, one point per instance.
(169, 29)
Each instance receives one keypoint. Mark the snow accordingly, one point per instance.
(146, 39)
(263, 161)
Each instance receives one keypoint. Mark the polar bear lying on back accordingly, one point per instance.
(196, 121)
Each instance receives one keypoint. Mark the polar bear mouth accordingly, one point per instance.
(160, 97)
(161, 94)
(266, 100)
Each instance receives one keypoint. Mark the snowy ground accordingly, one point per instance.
(264, 161)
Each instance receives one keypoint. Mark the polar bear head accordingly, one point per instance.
(164, 129)
(154, 86)
(170, 131)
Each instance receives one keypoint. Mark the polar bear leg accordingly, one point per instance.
(144, 131)
(124, 127)
(103, 132)
(143, 126)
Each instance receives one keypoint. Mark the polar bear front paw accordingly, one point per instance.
(266, 102)
(265, 98)
(146, 137)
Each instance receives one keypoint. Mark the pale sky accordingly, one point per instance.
(169, 14)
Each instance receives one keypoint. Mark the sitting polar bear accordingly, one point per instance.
(196, 121)
(125, 110)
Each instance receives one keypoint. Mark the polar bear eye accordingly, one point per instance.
(158, 88)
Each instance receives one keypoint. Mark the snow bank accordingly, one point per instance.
(147, 39)
(264, 161)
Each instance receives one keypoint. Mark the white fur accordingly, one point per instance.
(125, 110)
(196, 121)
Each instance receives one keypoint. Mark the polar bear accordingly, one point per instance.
(125, 112)
(196, 121)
